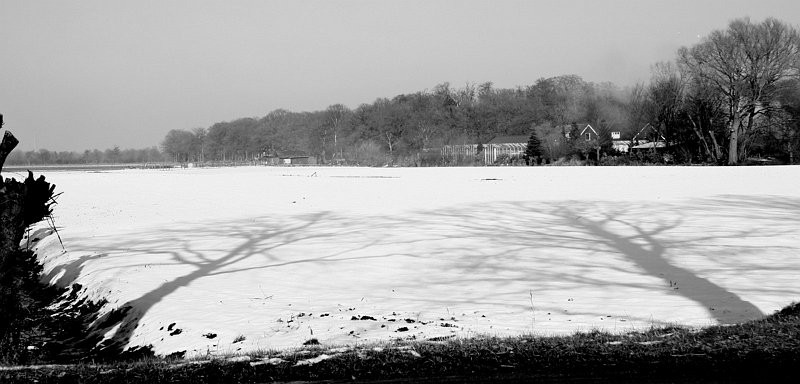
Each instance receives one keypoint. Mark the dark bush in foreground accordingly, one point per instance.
(762, 350)
(23, 298)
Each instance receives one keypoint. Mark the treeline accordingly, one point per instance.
(734, 95)
(407, 129)
(109, 156)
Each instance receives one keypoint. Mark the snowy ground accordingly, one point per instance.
(276, 256)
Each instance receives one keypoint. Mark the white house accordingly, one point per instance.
(642, 137)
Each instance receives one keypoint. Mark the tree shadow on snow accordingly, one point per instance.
(642, 236)
(260, 237)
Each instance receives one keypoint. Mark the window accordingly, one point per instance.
(588, 136)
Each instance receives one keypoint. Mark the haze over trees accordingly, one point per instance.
(408, 128)
(732, 96)
(113, 155)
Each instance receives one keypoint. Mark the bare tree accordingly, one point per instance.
(199, 143)
(666, 92)
(701, 106)
(334, 118)
(744, 63)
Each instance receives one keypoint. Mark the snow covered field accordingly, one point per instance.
(277, 256)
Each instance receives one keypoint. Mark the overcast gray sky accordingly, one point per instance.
(85, 74)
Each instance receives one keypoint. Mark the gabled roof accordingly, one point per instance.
(644, 128)
(567, 128)
(509, 139)
(588, 126)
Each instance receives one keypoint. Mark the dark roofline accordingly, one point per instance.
(289, 153)
(295, 156)
(509, 139)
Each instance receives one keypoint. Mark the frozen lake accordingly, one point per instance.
(277, 256)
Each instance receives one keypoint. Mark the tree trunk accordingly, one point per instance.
(717, 148)
(6, 146)
(745, 135)
(698, 132)
(733, 144)
(11, 209)
(391, 147)
(733, 141)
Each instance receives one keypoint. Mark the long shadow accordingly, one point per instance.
(259, 240)
(128, 316)
(725, 306)
(522, 228)
(531, 228)
(69, 272)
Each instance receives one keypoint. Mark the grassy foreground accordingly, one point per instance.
(760, 350)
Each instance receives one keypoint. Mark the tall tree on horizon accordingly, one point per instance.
(534, 149)
(744, 63)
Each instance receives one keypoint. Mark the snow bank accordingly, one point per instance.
(226, 260)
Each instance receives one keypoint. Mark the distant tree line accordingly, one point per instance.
(407, 129)
(734, 95)
(109, 156)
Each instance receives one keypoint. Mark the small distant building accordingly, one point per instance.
(457, 152)
(297, 158)
(512, 146)
(272, 157)
(657, 145)
(579, 130)
(618, 143)
(646, 135)
(588, 133)
(271, 160)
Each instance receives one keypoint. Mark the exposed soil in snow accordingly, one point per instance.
(212, 261)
